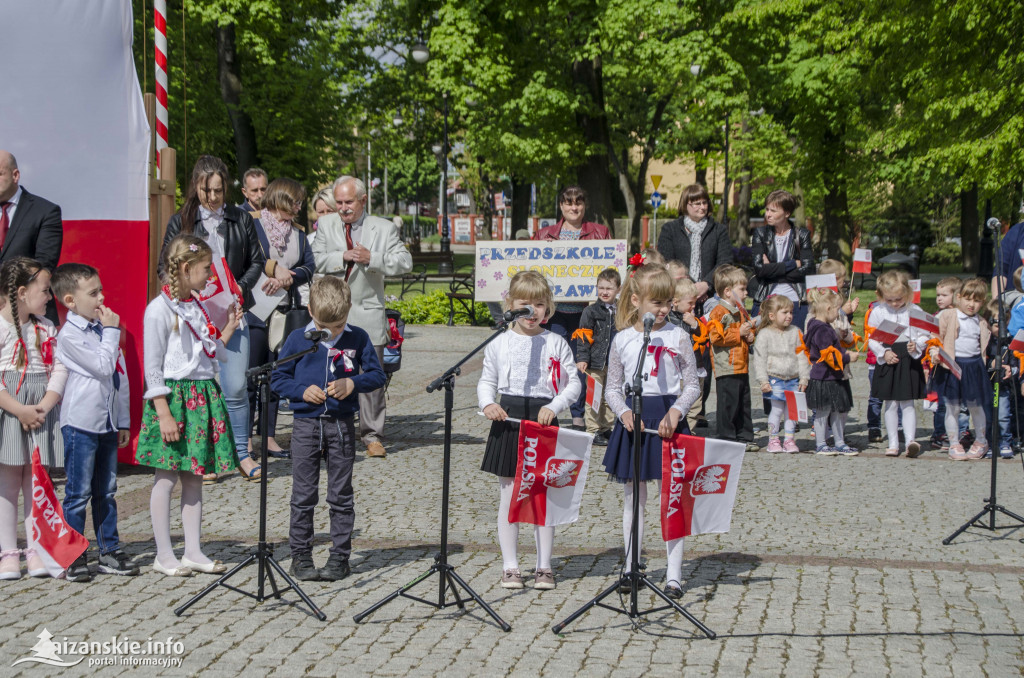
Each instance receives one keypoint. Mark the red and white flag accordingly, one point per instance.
(221, 292)
(924, 321)
(796, 405)
(1017, 344)
(861, 261)
(699, 481)
(915, 287)
(53, 539)
(950, 363)
(550, 476)
(595, 391)
(888, 332)
(822, 282)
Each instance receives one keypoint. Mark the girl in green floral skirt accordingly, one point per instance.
(185, 430)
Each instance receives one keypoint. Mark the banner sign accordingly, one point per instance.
(570, 266)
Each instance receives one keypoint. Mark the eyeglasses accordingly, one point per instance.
(577, 201)
(698, 202)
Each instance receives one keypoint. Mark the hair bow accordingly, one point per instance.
(637, 260)
(659, 351)
(556, 373)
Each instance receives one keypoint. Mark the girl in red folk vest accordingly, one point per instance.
(669, 389)
(532, 373)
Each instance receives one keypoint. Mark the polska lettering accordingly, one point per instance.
(50, 515)
(675, 493)
(529, 461)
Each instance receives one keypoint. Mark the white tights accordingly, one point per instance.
(775, 417)
(191, 516)
(825, 419)
(508, 533)
(977, 419)
(13, 479)
(674, 547)
(892, 421)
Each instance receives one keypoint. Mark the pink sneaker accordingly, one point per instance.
(10, 564)
(774, 445)
(956, 452)
(977, 450)
(790, 446)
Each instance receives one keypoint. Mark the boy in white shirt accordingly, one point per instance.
(95, 416)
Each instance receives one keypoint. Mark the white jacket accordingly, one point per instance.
(170, 353)
(497, 367)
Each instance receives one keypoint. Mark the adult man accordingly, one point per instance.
(362, 249)
(254, 186)
(29, 225)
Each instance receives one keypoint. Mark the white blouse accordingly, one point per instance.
(43, 331)
(676, 363)
(916, 338)
(968, 339)
(515, 364)
(175, 353)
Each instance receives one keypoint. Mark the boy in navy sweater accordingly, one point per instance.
(323, 388)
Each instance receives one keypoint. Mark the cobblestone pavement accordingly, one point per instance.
(833, 566)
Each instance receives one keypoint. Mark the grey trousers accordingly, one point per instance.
(312, 437)
(371, 410)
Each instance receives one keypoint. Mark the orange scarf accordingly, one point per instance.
(702, 338)
(802, 348)
(831, 356)
(926, 357)
(584, 333)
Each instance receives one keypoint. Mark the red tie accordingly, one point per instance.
(348, 241)
(4, 222)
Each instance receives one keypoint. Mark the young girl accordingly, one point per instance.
(899, 377)
(779, 365)
(670, 387)
(185, 432)
(965, 336)
(828, 393)
(32, 385)
(533, 372)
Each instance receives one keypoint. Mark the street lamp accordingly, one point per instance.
(420, 51)
(420, 54)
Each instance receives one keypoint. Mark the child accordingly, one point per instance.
(652, 256)
(593, 339)
(779, 365)
(31, 385)
(732, 332)
(899, 377)
(526, 369)
(965, 336)
(185, 428)
(668, 392)
(95, 416)
(945, 290)
(678, 270)
(1009, 411)
(828, 393)
(324, 389)
(683, 304)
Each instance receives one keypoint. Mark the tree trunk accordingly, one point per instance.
(701, 169)
(230, 76)
(969, 243)
(739, 230)
(800, 213)
(520, 203)
(593, 174)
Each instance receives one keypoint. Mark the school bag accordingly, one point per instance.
(393, 349)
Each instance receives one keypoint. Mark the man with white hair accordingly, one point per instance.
(362, 249)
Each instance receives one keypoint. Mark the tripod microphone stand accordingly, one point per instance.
(1002, 340)
(447, 577)
(635, 578)
(262, 555)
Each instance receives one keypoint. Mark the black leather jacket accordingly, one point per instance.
(762, 243)
(241, 247)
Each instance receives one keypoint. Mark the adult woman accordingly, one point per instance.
(289, 265)
(566, 319)
(782, 256)
(231, 234)
(696, 240)
(323, 203)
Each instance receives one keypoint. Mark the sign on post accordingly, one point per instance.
(656, 180)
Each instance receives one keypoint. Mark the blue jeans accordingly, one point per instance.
(90, 461)
(875, 404)
(564, 324)
(233, 384)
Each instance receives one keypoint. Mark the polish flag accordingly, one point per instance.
(53, 539)
(550, 476)
(1017, 344)
(915, 287)
(924, 321)
(796, 406)
(822, 282)
(221, 291)
(594, 393)
(949, 363)
(861, 261)
(888, 332)
(699, 481)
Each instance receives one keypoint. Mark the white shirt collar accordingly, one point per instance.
(328, 342)
(78, 321)
(16, 198)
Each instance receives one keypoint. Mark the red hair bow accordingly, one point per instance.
(637, 260)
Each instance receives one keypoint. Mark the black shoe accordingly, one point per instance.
(279, 454)
(336, 569)
(117, 562)
(701, 422)
(673, 591)
(874, 435)
(626, 586)
(79, 570)
(600, 441)
(303, 568)
(940, 442)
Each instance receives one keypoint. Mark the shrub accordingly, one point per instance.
(432, 309)
(943, 254)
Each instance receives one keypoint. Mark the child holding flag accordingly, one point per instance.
(780, 365)
(945, 291)
(828, 393)
(529, 370)
(668, 393)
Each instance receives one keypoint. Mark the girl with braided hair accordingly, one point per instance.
(186, 430)
(31, 385)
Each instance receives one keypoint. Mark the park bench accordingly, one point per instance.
(461, 291)
(418, 275)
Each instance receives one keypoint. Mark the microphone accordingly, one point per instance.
(524, 312)
(648, 322)
(993, 223)
(317, 335)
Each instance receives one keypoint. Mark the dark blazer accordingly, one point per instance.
(715, 247)
(36, 231)
(303, 270)
(241, 247)
(775, 271)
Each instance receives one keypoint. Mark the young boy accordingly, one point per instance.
(732, 332)
(323, 388)
(94, 415)
(593, 339)
(683, 304)
(945, 291)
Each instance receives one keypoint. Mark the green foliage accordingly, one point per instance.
(943, 254)
(432, 309)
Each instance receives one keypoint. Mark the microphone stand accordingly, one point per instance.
(1002, 339)
(635, 578)
(262, 555)
(448, 578)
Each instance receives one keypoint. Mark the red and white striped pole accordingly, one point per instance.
(160, 42)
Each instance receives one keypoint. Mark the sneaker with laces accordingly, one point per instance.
(940, 442)
(1006, 452)
(753, 447)
(335, 569)
(847, 451)
(511, 579)
(673, 590)
(117, 562)
(774, 445)
(825, 451)
(544, 580)
(79, 570)
(789, 446)
(303, 569)
(956, 452)
(977, 450)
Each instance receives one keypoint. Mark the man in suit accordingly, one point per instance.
(254, 186)
(362, 249)
(30, 226)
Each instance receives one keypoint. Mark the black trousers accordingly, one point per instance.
(311, 437)
(734, 422)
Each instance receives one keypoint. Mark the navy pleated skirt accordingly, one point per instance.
(618, 458)
(972, 388)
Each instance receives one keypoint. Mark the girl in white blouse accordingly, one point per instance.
(670, 387)
(185, 430)
(533, 372)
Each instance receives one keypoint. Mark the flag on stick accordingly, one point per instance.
(796, 406)
(949, 363)
(915, 287)
(924, 321)
(699, 481)
(595, 391)
(1017, 344)
(53, 539)
(888, 332)
(862, 261)
(550, 475)
(822, 282)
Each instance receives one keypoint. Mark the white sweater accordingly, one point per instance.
(175, 353)
(498, 365)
